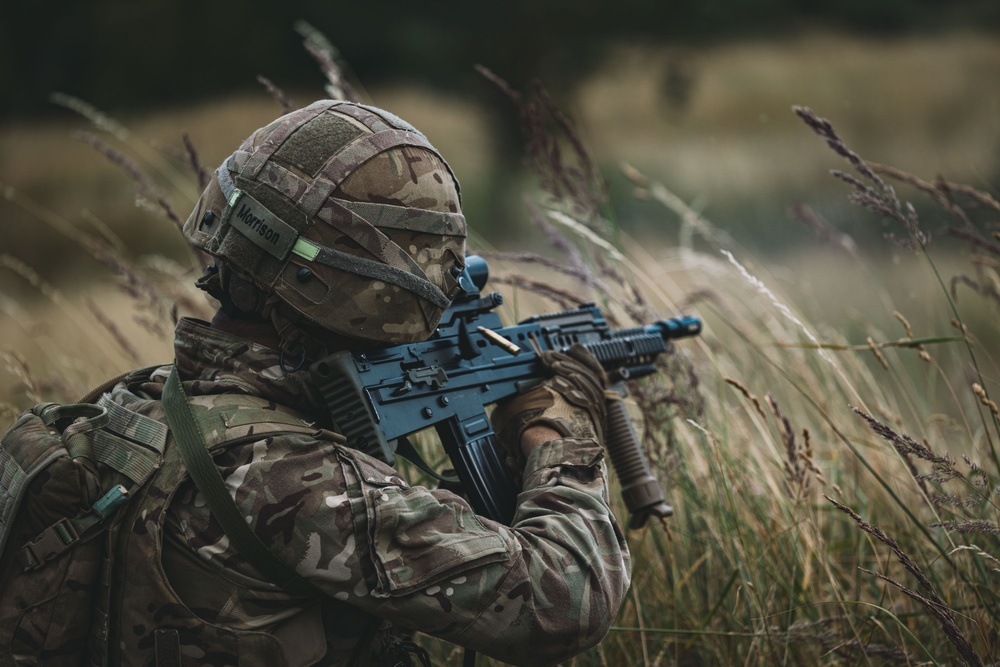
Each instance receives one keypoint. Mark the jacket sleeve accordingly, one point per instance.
(536, 592)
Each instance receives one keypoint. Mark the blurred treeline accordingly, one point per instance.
(697, 95)
(123, 55)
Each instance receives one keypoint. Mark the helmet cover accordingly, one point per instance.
(338, 218)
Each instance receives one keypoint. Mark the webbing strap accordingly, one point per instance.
(424, 221)
(376, 271)
(276, 138)
(66, 532)
(167, 647)
(209, 481)
(340, 214)
(134, 426)
(373, 118)
(225, 180)
(355, 154)
(346, 160)
(130, 443)
(373, 121)
(136, 463)
(368, 236)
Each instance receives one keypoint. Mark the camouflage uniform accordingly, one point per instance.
(536, 592)
(339, 226)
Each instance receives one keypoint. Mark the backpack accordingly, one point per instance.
(65, 472)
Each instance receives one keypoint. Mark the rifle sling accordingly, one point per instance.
(209, 481)
(406, 449)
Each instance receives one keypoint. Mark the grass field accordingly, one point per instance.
(830, 443)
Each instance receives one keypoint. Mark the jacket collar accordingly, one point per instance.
(215, 361)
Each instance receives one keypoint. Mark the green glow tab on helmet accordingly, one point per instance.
(306, 249)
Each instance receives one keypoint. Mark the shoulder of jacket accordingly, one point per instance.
(224, 418)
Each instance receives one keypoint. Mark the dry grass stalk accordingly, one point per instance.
(277, 94)
(980, 393)
(105, 232)
(826, 232)
(633, 300)
(563, 299)
(128, 165)
(154, 307)
(194, 161)
(878, 353)
(796, 474)
(932, 602)
(941, 191)
(841, 641)
(573, 197)
(977, 241)
(692, 222)
(978, 484)
(993, 560)
(99, 119)
(749, 396)
(106, 250)
(777, 303)
(326, 56)
(565, 169)
(116, 333)
(921, 350)
(585, 277)
(876, 195)
(978, 527)
(807, 457)
(562, 244)
(18, 367)
(907, 446)
(988, 291)
(146, 190)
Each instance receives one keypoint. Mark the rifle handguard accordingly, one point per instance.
(640, 489)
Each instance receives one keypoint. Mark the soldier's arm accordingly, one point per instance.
(536, 592)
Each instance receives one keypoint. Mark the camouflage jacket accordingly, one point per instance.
(536, 592)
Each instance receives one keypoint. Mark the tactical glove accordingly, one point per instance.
(570, 402)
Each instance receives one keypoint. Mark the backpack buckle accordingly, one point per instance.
(52, 541)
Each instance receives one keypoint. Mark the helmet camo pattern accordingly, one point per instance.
(338, 218)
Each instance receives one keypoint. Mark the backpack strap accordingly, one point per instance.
(206, 476)
(110, 383)
(104, 433)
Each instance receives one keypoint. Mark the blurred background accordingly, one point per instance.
(697, 96)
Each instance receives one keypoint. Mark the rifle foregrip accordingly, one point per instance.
(640, 489)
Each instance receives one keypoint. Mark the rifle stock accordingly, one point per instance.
(377, 397)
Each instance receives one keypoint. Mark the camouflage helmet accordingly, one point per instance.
(338, 221)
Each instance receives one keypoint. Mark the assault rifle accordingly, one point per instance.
(378, 397)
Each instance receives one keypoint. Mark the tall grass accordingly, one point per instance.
(834, 486)
(835, 497)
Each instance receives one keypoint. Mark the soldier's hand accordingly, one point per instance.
(569, 404)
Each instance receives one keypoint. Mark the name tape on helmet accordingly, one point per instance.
(252, 219)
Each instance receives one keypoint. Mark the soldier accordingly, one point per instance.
(338, 226)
